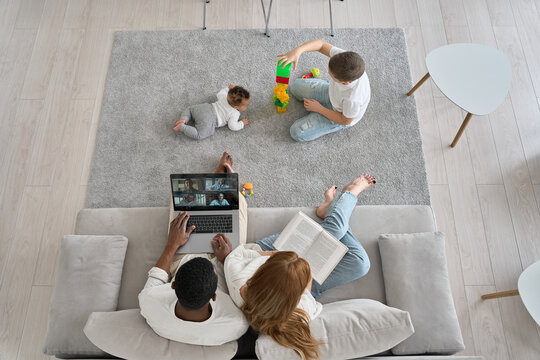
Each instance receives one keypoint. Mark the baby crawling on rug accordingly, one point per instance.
(203, 119)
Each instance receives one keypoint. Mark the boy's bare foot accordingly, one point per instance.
(178, 124)
(329, 196)
(360, 184)
(225, 164)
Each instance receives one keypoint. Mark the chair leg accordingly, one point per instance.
(415, 87)
(500, 294)
(461, 129)
(204, 14)
(268, 19)
(331, 19)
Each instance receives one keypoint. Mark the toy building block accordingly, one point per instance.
(283, 73)
(313, 74)
(281, 98)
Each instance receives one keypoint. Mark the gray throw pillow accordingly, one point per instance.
(349, 329)
(126, 334)
(88, 279)
(416, 280)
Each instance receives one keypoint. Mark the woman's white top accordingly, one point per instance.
(242, 263)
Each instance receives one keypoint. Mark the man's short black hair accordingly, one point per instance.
(195, 283)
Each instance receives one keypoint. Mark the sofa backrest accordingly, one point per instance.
(146, 230)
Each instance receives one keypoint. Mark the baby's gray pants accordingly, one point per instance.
(202, 121)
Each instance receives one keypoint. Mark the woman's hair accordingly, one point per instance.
(271, 299)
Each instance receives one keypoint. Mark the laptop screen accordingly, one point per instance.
(193, 192)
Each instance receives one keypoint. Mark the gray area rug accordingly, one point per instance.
(154, 75)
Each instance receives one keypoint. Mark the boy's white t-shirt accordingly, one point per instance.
(226, 114)
(352, 100)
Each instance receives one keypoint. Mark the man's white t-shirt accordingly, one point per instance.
(242, 263)
(226, 114)
(352, 100)
(158, 300)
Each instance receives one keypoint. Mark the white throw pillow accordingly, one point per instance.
(126, 334)
(350, 329)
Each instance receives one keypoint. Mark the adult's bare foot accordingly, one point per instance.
(360, 184)
(225, 164)
(329, 195)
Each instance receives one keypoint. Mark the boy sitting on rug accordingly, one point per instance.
(207, 117)
(333, 105)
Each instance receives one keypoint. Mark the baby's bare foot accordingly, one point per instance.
(329, 196)
(178, 124)
(360, 184)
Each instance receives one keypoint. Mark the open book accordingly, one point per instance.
(310, 241)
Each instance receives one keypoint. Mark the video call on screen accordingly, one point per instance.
(205, 192)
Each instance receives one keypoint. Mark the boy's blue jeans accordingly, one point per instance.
(313, 125)
(355, 263)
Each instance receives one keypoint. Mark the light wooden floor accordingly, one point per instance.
(54, 56)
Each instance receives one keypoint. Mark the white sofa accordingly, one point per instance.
(146, 230)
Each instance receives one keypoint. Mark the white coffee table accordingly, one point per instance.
(474, 77)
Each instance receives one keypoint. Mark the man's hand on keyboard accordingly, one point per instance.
(178, 234)
(222, 247)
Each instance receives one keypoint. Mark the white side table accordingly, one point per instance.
(528, 290)
(474, 77)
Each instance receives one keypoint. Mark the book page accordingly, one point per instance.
(323, 255)
(298, 235)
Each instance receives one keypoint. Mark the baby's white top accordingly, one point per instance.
(226, 114)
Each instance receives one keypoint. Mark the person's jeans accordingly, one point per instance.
(313, 125)
(355, 263)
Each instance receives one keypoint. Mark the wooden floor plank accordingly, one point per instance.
(520, 329)
(383, 13)
(453, 13)
(524, 100)
(359, 12)
(467, 213)
(312, 16)
(35, 325)
(16, 286)
(501, 13)
(135, 14)
(39, 72)
(519, 190)
(487, 324)
(93, 56)
(17, 165)
(77, 13)
(406, 12)
(8, 16)
(64, 197)
(29, 15)
(442, 207)
(13, 70)
(528, 26)
(46, 148)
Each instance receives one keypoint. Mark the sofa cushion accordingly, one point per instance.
(416, 280)
(126, 334)
(349, 329)
(87, 279)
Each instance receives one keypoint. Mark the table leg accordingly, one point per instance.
(461, 129)
(500, 294)
(427, 76)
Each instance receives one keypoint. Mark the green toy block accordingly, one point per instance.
(283, 71)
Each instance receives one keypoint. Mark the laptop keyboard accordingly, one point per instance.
(211, 223)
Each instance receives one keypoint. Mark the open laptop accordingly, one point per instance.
(211, 201)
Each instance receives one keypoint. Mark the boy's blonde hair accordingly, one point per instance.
(237, 94)
(347, 66)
